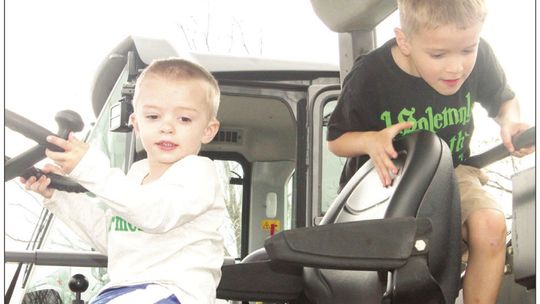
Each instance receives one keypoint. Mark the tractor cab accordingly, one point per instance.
(290, 238)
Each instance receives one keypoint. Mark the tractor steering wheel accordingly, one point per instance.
(23, 164)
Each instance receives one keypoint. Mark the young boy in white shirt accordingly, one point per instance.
(161, 221)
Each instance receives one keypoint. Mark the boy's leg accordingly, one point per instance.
(484, 230)
(141, 293)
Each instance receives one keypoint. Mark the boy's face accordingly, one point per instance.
(172, 118)
(444, 57)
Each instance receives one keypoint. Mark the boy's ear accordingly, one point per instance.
(134, 123)
(210, 131)
(402, 41)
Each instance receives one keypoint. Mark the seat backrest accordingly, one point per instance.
(425, 187)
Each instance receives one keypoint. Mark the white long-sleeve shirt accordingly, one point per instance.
(164, 232)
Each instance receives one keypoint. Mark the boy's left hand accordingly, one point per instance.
(74, 151)
(510, 130)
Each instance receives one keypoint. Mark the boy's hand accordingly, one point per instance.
(511, 129)
(41, 185)
(74, 151)
(381, 150)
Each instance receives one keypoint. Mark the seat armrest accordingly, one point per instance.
(382, 244)
(260, 281)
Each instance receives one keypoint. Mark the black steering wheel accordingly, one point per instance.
(23, 164)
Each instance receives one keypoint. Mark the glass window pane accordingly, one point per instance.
(113, 144)
(232, 174)
(289, 197)
(331, 164)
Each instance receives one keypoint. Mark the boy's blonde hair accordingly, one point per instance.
(181, 69)
(430, 14)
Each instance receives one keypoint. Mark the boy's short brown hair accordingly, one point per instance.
(430, 14)
(181, 69)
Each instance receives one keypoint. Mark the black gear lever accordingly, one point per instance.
(78, 284)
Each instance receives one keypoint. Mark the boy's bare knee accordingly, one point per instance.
(486, 230)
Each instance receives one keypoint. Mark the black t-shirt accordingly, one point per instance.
(377, 94)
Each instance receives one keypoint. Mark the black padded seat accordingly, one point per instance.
(366, 248)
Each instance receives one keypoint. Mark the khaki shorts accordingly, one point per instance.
(473, 196)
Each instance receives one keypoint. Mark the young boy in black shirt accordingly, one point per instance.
(428, 78)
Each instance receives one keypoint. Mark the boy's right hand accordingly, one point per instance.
(41, 185)
(74, 151)
(381, 150)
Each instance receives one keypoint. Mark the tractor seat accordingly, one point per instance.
(374, 245)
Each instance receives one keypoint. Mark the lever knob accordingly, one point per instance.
(78, 283)
(68, 121)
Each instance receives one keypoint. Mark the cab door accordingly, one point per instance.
(325, 167)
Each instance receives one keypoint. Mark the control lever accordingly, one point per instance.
(68, 121)
(523, 140)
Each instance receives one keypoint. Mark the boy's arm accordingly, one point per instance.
(157, 207)
(82, 215)
(78, 211)
(510, 121)
(184, 192)
(377, 144)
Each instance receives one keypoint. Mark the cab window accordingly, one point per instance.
(113, 144)
(331, 164)
(232, 176)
